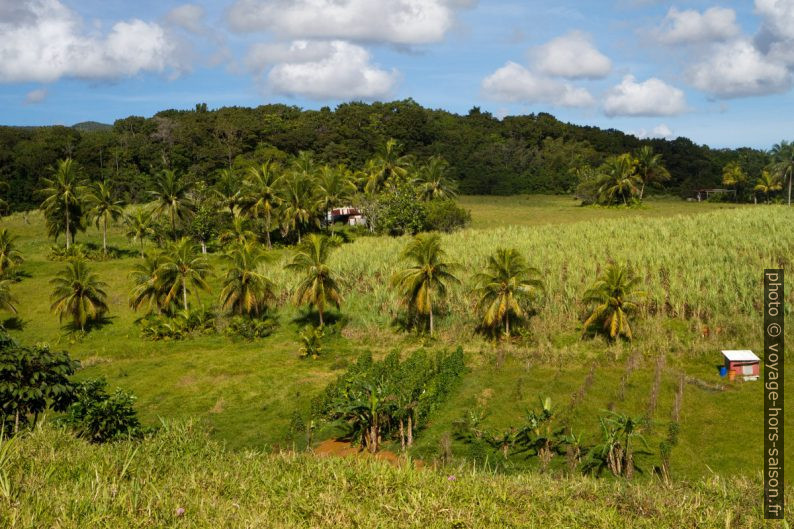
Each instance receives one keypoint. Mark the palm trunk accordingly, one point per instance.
(320, 311)
(184, 292)
(790, 176)
(105, 236)
(142, 248)
(410, 429)
(68, 231)
(267, 229)
(402, 435)
(173, 224)
(507, 325)
(430, 306)
(203, 247)
(642, 190)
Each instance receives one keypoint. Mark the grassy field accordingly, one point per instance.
(182, 479)
(702, 266)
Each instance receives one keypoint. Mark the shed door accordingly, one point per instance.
(747, 370)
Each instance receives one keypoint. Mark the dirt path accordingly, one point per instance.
(336, 448)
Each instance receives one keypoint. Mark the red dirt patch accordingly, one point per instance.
(336, 448)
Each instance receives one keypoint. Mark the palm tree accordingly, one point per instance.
(427, 278)
(300, 203)
(245, 289)
(172, 196)
(149, 287)
(768, 183)
(650, 168)
(78, 294)
(228, 190)
(139, 226)
(432, 180)
(319, 286)
(783, 156)
(334, 187)
(734, 176)
(506, 282)
(261, 195)
(104, 207)
(618, 178)
(7, 299)
(183, 269)
(613, 298)
(64, 194)
(9, 255)
(387, 166)
(237, 233)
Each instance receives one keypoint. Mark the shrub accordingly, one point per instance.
(250, 328)
(446, 216)
(399, 212)
(311, 340)
(179, 326)
(99, 416)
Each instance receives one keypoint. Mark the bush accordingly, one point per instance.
(179, 326)
(398, 212)
(250, 328)
(446, 216)
(100, 417)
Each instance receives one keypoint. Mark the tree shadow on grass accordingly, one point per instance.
(312, 317)
(71, 329)
(14, 323)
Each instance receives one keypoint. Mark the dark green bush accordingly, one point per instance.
(99, 416)
(446, 215)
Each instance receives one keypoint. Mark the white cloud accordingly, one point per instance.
(35, 96)
(573, 56)
(739, 69)
(661, 131)
(653, 97)
(323, 71)
(514, 83)
(393, 21)
(778, 17)
(188, 16)
(690, 26)
(48, 43)
(263, 55)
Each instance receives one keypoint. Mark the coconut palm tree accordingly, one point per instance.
(228, 190)
(432, 180)
(246, 290)
(734, 176)
(7, 299)
(613, 298)
(319, 286)
(139, 226)
(783, 165)
(618, 179)
(426, 279)
(768, 183)
(104, 207)
(300, 203)
(64, 193)
(78, 294)
(183, 269)
(172, 198)
(650, 168)
(149, 288)
(9, 255)
(261, 196)
(238, 232)
(387, 166)
(506, 282)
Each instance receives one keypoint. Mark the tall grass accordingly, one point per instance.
(182, 479)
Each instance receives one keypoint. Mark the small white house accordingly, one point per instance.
(742, 363)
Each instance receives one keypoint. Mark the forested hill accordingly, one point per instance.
(519, 154)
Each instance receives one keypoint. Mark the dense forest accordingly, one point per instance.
(533, 153)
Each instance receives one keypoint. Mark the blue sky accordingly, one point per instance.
(716, 72)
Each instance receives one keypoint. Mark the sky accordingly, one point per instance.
(719, 73)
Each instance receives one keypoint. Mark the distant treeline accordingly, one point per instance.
(534, 153)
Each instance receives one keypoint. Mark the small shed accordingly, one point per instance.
(742, 363)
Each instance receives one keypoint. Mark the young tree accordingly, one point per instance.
(507, 283)
(650, 168)
(238, 233)
(618, 179)
(783, 163)
(334, 187)
(319, 286)
(7, 299)
(613, 298)
(734, 176)
(149, 288)
(433, 182)
(387, 167)
(104, 208)
(261, 197)
(768, 183)
(64, 193)
(427, 278)
(139, 226)
(172, 198)
(228, 190)
(32, 379)
(78, 294)
(183, 268)
(300, 202)
(10, 257)
(246, 291)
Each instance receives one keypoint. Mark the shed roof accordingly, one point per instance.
(741, 356)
